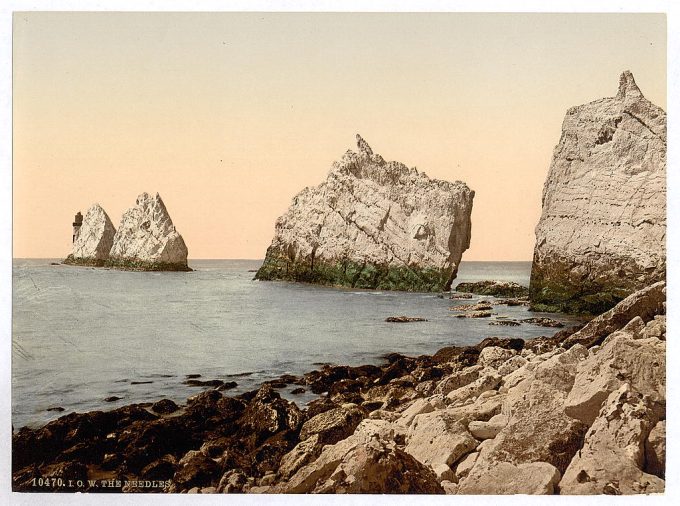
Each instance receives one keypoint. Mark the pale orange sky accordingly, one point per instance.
(229, 115)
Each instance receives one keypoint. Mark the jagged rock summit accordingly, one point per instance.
(373, 224)
(93, 239)
(602, 232)
(146, 237)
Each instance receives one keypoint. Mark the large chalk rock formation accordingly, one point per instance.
(373, 224)
(602, 232)
(147, 239)
(94, 239)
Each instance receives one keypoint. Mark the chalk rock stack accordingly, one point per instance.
(94, 239)
(373, 224)
(146, 239)
(602, 232)
(146, 234)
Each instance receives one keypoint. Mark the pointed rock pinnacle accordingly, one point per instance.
(363, 146)
(627, 86)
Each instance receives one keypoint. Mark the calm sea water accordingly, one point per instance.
(81, 334)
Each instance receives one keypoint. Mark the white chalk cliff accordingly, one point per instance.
(94, 239)
(373, 224)
(602, 232)
(146, 234)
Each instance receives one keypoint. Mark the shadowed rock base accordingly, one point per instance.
(127, 264)
(348, 273)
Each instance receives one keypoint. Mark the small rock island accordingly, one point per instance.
(146, 239)
(373, 224)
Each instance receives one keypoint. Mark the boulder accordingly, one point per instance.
(482, 384)
(645, 304)
(438, 438)
(458, 379)
(419, 406)
(147, 239)
(602, 232)
(194, 470)
(494, 357)
(535, 478)
(490, 429)
(613, 454)
(333, 425)
(537, 428)
(641, 363)
(94, 239)
(367, 462)
(373, 224)
(655, 450)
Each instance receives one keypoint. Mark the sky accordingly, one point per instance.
(229, 115)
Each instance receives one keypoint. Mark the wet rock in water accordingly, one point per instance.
(192, 376)
(56, 408)
(298, 391)
(164, 406)
(373, 224)
(112, 398)
(200, 383)
(544, 322)
(602, 232)
(505, 323)
(520, 301)
(475, 314)
(479, 306)
(495, 288)
(404, 319)
(227, 385)
(276, 383)
(140, 382)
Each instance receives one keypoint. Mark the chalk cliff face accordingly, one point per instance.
(602, 232)
(94, 239)
(373, 224)
(146, 236)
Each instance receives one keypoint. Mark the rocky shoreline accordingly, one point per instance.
(578, 412)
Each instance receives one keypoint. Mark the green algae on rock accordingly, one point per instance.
(127, 264)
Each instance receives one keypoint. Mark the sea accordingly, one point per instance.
(81, 335)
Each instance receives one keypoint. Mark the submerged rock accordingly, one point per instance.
(373, 224)
(602, 232)
(404, 319)
(147, 239)
(94, 239)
